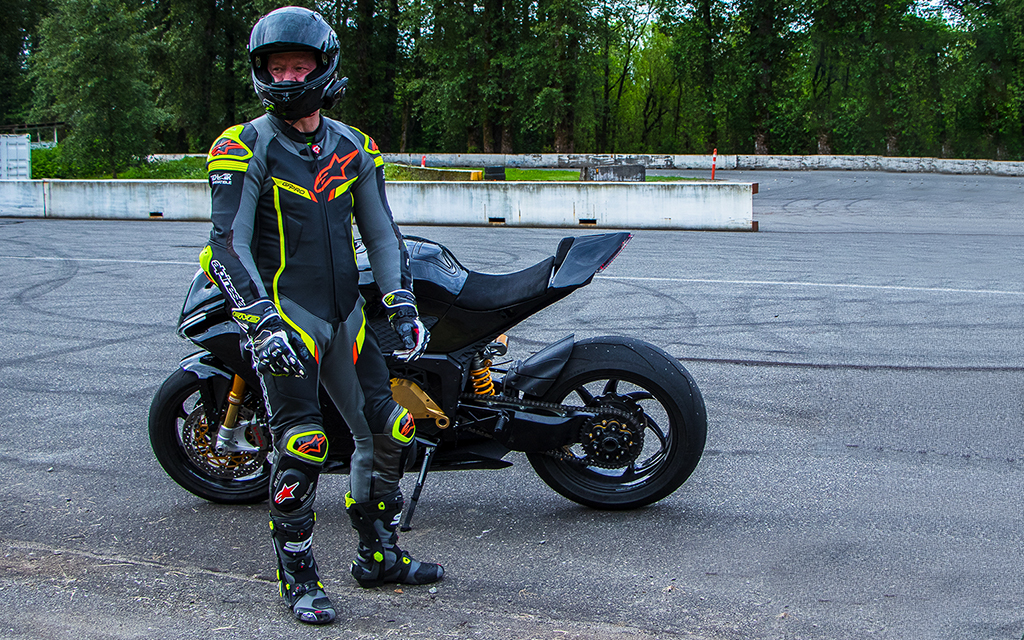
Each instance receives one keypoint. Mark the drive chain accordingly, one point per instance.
(562, 454)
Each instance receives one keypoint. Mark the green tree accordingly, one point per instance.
(619, 31)
(829, 56)
(91, 73)
(707, 65)
(983, 87)
(202, 67)
(17, 40)
(767, 41)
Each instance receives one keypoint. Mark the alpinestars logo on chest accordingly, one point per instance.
(333, 172)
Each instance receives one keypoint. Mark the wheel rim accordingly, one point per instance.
(196, 439)
(622, 453)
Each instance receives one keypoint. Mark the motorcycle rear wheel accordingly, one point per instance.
(663, 444)
(182, 442)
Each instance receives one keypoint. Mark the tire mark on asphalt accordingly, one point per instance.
(838, 366)
(761, 283)
(193, 263)
(114, 560)
(94, 344)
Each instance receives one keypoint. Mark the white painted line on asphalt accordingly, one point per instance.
(194, 263)
(818, 284)
(639, 278)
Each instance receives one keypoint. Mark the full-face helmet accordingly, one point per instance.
(295, 29)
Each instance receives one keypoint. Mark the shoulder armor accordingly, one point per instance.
(361, 141)
(370, 147)
(232, 150)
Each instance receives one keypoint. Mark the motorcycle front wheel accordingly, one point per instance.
(183, 440)
(648, 434)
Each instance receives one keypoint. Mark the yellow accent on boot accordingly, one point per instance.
(406, 560)
(381, 506)
(349, 500)
(378, 556)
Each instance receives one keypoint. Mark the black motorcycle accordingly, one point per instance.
(609, 422)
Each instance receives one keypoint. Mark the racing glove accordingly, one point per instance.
(405, 320)
(273, 351)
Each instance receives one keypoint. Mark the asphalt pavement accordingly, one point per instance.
(863, 369)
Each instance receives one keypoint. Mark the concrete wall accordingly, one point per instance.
(106, 199)
(22, 198)
(682, 205)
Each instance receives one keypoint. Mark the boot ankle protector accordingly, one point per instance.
(379, 560)
(298, 579)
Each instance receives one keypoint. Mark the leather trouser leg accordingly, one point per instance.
(300, 449)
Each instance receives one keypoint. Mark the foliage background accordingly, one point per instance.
(938, 78)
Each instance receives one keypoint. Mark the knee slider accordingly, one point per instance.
(301, 454)
(307, 443)
(401, 426)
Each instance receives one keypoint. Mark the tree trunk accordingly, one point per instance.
(824, 143)
(707, 47)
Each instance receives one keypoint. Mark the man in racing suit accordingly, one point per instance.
(286, 188)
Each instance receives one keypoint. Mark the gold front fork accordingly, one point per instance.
(231, 415)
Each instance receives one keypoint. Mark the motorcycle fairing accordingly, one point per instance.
(587, 256)
(463, 308)
(205, 365)
(535, 376)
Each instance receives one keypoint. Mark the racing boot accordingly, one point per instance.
(379, 560)
(297, 576)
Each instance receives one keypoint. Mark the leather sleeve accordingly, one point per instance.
(385, 247)
(235, 175)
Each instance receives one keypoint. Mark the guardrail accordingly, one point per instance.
(723, 206)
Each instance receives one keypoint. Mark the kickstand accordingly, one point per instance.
(411, 507)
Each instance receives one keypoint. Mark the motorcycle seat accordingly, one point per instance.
(488, 292)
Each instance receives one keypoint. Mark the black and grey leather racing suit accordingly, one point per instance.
(283, 207)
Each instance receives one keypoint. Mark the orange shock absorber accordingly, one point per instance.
(480, 377)
(480, 370)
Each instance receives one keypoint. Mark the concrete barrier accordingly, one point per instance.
(22, 198)
(106, 199)
(661, 205)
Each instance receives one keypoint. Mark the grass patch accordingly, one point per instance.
(673, 179)
(184, 169)
(54, 164)
(397, 172)
(541, 175)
